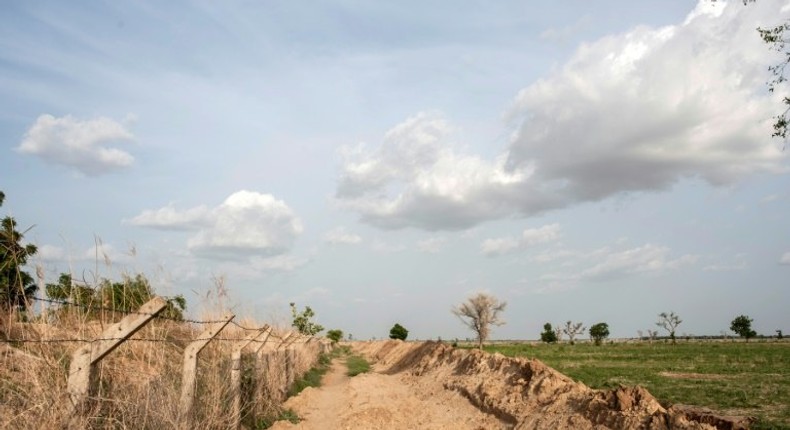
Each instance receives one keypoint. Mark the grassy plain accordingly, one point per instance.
(732, 377)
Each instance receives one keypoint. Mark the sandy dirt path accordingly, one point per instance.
(380, 401)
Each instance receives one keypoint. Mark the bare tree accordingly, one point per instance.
(641, 334)
(652, 335)
(573, 330)
(669, 322)
(558, 332)
(479, 313)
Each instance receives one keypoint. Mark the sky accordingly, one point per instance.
(382, 162)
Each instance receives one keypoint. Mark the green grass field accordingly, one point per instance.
(732, 377)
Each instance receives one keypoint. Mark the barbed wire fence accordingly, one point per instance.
(263, 342)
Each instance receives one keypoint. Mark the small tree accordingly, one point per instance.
(652, 334)
(398, 332)
(114, 298)
(599, 332)
(334, 335)
(302, 322)
(742, 325)
(479, 313)
(669, 322)
(558, 333)
(548, 335)
(779, 334)
(573, 330)
(16, 285)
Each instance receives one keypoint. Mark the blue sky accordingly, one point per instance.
(381, 163)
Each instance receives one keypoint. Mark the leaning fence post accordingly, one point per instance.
(235, 370)
(190, 369)
(82, 377)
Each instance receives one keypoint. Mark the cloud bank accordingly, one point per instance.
(633, 112)
(84, 145)
(247, 223)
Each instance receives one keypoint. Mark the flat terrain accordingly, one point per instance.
(733, 377)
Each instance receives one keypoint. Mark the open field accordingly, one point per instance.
(732, 377)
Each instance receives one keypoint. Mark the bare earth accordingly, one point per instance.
(380, 401)
(430, 385)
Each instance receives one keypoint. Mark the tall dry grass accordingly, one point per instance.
(139, 383)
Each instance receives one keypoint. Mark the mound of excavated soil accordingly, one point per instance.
(527, 394)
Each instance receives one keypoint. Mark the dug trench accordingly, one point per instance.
(431, 385)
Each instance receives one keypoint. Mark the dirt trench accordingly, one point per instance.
(431, 385)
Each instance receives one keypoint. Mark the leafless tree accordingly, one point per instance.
(479, 313)
(641, 334)
(652, 335)
(669, 322)
(558, 332)
(573, 330)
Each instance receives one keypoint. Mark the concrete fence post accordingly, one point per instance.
(236, 369)
(189, 373)
(82, 375)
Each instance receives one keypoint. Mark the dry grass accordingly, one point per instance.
(139, 384)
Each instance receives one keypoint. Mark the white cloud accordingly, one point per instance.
(638, 111)
(51, 253)
(529, 237)
(739, 263)
(641, 110)
(255, 266)
(431, 245)
(100, 252)
(500, 246)
(417, 178)
(339, 236)
(81, 144)
(246, 224)
(169, 218)
(644, 259)
(785, 258)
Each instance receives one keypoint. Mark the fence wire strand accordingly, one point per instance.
(285, 339)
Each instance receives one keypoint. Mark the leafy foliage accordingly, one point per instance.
(334, 335)
(302, 321)
(742, 325)
(16, 285)
(669, 322)
(398, 332)
(548, 335)
(776, 39)
(479, 313)
(126, 295)
(599, 332)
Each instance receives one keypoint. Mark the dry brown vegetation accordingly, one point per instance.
(140, 382)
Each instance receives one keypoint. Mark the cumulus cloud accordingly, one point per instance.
(169, 218)
(632, 112)
(605, 264)
(643, 259)
(641, 110)
(739, 263)
(340, 235)
(785, 258)
(246, 224)
(529, 237)
(100, 252)
(431, 245)
(85, 145)
(418, 178)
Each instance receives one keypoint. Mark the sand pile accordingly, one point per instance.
(527, 394)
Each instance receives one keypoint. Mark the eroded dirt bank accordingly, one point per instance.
(527, 394)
